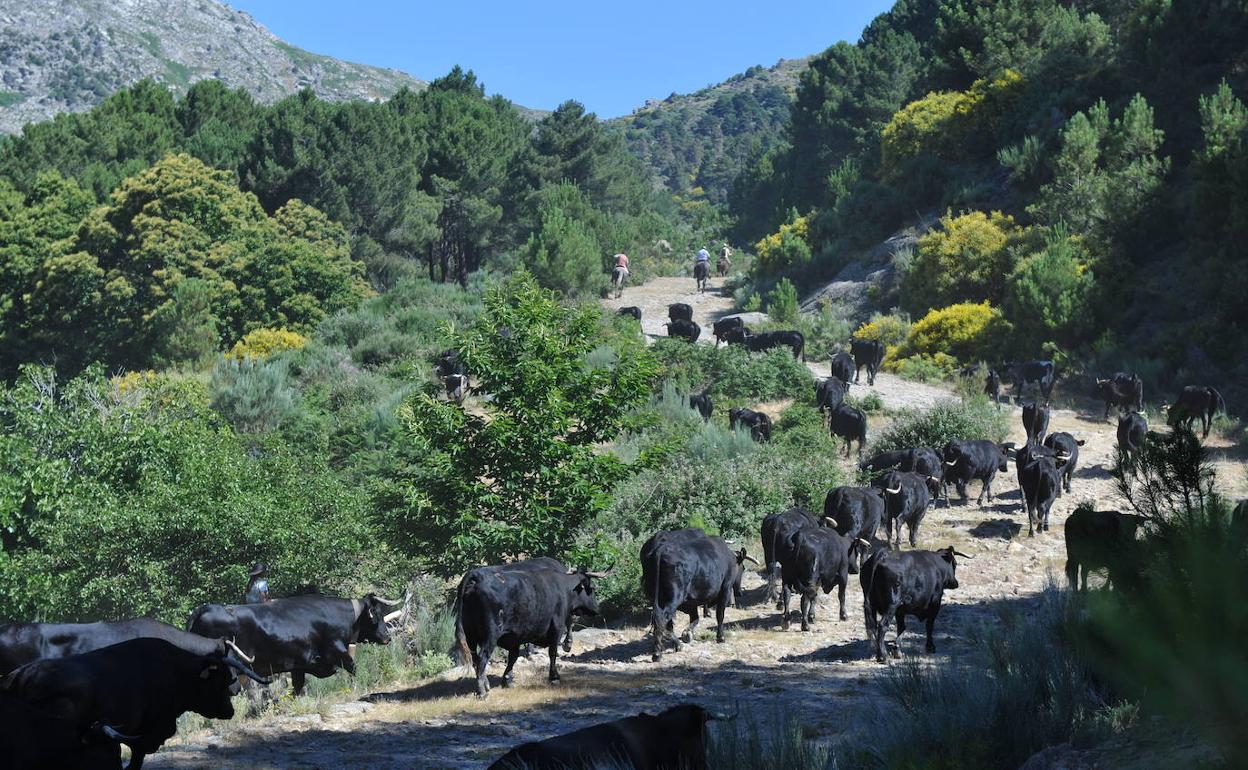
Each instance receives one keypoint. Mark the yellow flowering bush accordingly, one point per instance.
(892, 330)
(967, 258)
(787, 246)
(264, 343)
(965, 332)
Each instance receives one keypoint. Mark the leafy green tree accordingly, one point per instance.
(572, 145)
(188, 329)
(782, 302)
(563, 253)
(1048, 295)
(525, 475)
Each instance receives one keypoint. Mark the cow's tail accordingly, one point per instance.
(868, 611)
(461, 639)
(1219, 403)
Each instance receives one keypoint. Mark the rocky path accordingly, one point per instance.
(825, 676)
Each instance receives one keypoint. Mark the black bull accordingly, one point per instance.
(672, 740)
(900, 583)
(525, 602)
(299, 635)
(138, 688)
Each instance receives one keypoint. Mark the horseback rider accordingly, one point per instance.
(725, 260)
(621, 262)
(257, 585)
(704, 256)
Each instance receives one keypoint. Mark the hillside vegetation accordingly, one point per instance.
(1089, 158)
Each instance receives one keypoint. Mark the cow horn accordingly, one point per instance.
(865, 543)
(120, 737)
(751, 559)
(959, 553)
(896, 491)
(1063, 455)
(390, 616)
(599, 575)
(829, 521)
(951, 463)
(241, 655)
(245, 671)
(391, 602)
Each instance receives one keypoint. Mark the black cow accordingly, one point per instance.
(1040, 373)
(702, 403)
(976, 459)
(524, 602)
(844, 368)
(456, 386)
(22, 643)
(1125, 391)
(1132, 432)
(764, 341)
(921, 460)
(992, 387)
(723, 326)
(869, 355)
(830, 393)
(1096, 540)
(632, 311)
(906, 498)
(850, 424)
(776, 530)
(758, 423)
(684, 329)
(673, 740)
(817, 557)
(684, 570)
(308, 634)
(679, 311)
(1196, 401)
(1065, 447)
(1040, 479)
(448, 363)
(900, 583)
(138, 688)
(1035, 421)
(885, 460)
(855, 512)
(33, 740)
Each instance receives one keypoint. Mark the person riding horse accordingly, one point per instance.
(620, 273)
(702, 269)
(724, 264)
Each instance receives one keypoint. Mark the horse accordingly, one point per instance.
(721, 267)
(618, 276)
(701, 271)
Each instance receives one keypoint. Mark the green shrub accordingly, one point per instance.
(966, 260)
(965, 332)
(733, 375)
(757, 742)
(782, 302)
(924, 368)
(253, 394)
(975, 418)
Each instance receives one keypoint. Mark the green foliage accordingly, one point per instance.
(524, 477)
(786, 248)
(254, 395)
(974, 418)
(129, 503)
(731, 374)
(1048, 296)
(967, 259)
(782, 302)
(562, 253)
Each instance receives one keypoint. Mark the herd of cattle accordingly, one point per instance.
(73, 694)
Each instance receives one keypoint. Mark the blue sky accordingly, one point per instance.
(611, 56)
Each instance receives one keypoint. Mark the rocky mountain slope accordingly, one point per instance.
(67, 55)
(701, 140)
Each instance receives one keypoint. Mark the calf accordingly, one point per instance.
(992, 387)
(1196, 401)
(830, 393)
(300, 635)
(525, 602)
(844, 368)
(701, 402)
(1041, 482)
(976, 459)
(1132, 432)
(850, 424)
(631, 311)
(673, 740)
(1035, 422)
(723, 326)
(456, 386)
(906, 498)
(687, 330)
(679, 311)
(920, 460)
(1125, 391)
(776, 530)
(817, 557)
(758, 423)
(896, 584)
(684, 570)
(1065, 447)
(1096, 540)
(1042, 374)
(869, 355)
(138, 687)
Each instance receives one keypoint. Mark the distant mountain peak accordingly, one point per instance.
(68, 55)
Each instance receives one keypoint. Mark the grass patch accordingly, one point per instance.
(9, 98)
(973, 418)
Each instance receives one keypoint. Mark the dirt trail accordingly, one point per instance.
(654, 297)
(825, 675)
